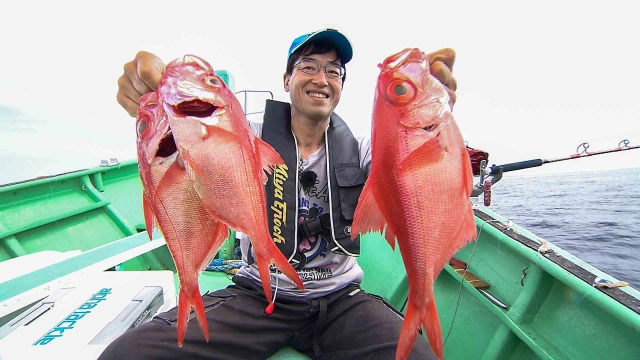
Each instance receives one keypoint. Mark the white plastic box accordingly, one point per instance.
(81, 319)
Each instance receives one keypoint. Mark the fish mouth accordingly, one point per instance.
(404, 57)
(196, 108)
(167, 146)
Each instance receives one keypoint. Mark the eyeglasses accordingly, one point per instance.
(312, 67)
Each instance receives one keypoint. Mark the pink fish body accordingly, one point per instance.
(226, 161)
(419, 186)
(170, 201)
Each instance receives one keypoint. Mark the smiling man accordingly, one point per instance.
(324, 173)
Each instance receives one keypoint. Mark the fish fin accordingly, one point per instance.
(183, 316)
(281, 263)
(431, 323)
(417, 317)
(186, 300)
(269, 157)
(390, 236)
(369, 218)
(171, 179)
(467, 173)
(219, 236)
(467, 232)
(149, 215)
(409, 331)
(265, 276)
(285, 267)
(429, 152)
(468, 229)
(193, 165)
(198, 305)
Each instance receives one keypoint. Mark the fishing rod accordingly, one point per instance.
(493, 174)
(581, 152)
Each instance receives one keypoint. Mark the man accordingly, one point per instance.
(327, 167)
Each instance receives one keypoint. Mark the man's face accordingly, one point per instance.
(314, 96)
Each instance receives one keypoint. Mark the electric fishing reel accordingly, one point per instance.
(488, 176)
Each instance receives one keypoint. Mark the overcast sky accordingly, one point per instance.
(535, 80)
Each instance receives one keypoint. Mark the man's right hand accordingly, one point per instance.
(141, 76)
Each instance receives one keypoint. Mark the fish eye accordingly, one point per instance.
(142, 126)
(213, 81)
(400, 91)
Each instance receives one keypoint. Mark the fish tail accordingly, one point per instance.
(198, 305)
(285, 267)
(413, 320)
(185, 302)
(183, 316)
(265, 276)
(431, 323)
(409, 332)
(281, 262)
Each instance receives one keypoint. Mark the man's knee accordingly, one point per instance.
(155, 339)
(124, 344)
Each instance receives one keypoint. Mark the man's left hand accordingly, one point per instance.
(441, 66)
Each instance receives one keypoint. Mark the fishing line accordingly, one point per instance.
(272, 304)
(455, 312)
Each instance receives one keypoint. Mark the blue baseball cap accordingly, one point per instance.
(340, 41)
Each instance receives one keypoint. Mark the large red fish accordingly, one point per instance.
(419, 185)
(226, 161)
(170, 201)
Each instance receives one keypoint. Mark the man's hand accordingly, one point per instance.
(141, 76)
(441, 66)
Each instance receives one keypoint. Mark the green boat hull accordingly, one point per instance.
(514, 302)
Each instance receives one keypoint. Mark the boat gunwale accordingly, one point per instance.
(626, 299)
(21, 184)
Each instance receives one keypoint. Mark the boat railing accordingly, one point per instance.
(245, 106)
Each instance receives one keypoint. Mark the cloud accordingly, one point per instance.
(14, 120)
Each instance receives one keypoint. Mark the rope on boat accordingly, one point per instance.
(509, 225)
(544, 248)
(600, 283)
(224, 265)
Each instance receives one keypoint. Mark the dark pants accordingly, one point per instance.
(348, 324)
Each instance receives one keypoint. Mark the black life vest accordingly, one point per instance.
(346, 180)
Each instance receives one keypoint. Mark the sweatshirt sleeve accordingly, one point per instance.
(364, 144)
(256, 128)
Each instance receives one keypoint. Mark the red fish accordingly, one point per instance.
(170, 201)
(226, 161)
(419, 186)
